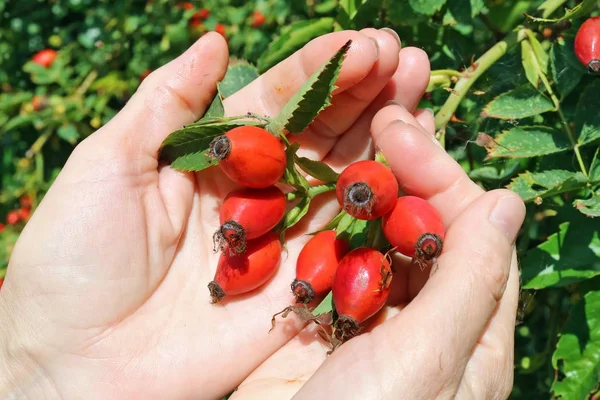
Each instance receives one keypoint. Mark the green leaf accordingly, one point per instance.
(549, 6)
(68, 133)
(293, 38)
(293, 216)
(427, 7)
(326, 306)
(540, 54)
(568, 256)
(317, 169)
(530, 65)
(566, 69)
(594, 174)
(580, 10)
(400, 13)
(589, 207)
(357, 14)
(577, 353)
(533, 185)
(313, 97)
(239, 74)
(530, 141)
(518, 103)
(187, 148)
(216, 108)
(492, 174)
(291, 175)
(359, 233)
(587, 117)
(344, 225)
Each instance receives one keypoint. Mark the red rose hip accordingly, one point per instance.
(415, 228)
(237, 274)
(258, 19)
(587, 44)
(45, 57)
(316, 265)
(247, 214)
(250, 156)
(367, 190)
(360, 289)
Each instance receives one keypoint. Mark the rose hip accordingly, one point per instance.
(316, 265)
(415, 228)
(250, 156)
(247, 214)
(237, 274)
(367, 190)
(587, 44)
(360, 289)
(45, 57)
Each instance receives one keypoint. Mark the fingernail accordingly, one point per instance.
(429, 110)
(393, 33)
(376, 46)
(508, 216)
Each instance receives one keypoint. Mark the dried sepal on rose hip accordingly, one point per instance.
(316, 265)
(587, 44)
(238, 274)
(367, 190)
(360, 289)
(415, 228)
(247, 214)
(250, 156)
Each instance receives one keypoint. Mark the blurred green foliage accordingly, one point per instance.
(535, 105)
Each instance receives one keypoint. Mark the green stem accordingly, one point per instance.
(313, 191)
(446, 72)
(565, 123)
(470, 76)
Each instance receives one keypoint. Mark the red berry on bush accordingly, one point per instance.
(39, 102)
(2, 226)
(587, 44)
(1, 282)
(24, 213)
(45, 57)
(316, 265)
(12, 217)
(360, 289)
(247, 214)
(185, 6)
(220, 29)
(250, 156)
(367, 190)
(237, 274)
(258, 19)
(25, 201)
(415, 228)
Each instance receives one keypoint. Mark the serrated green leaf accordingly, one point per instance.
(344, 225)
(187, 148)
(291, 175)
(530, 65)
(518, 103)
(580, 10)
(293, 216)
(540, 54)
(400, 13)
(357, 14)
(427, 7)
(359, 233)
(589, 207)
(293, 38)
(530, 141)
(533, 185)
(326, 306)
(578, 350)
(594, 173)
(566, 69)
(492, 174)
(312, 98)
(239, 74)
(568, 256)
(216, 108)
(317, 169)
(331, 224)
(587, 117)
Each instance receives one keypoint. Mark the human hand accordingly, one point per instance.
(450, 335)
(106, 289)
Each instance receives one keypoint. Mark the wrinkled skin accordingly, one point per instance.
(106, 294)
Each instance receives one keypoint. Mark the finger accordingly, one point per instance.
(269, 93)
(426, 119)
(421, 165)
(489, 372)
(176, 94)
(412, 77)
(424, 350)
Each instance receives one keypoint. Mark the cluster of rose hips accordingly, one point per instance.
(359, 278)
